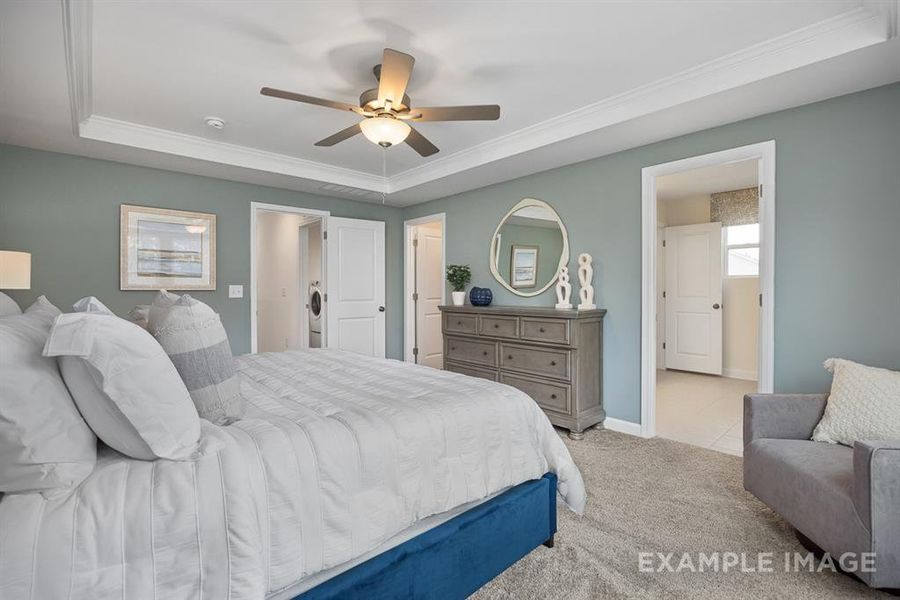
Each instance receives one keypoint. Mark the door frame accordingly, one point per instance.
(409, 321)
(255, 208)
(765, 153)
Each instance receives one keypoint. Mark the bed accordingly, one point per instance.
(343, 468)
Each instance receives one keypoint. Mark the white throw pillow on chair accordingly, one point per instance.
(864, 404)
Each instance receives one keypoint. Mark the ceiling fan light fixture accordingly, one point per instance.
(384, 131)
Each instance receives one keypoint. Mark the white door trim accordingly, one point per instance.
(765, 153)
(409, 320)
(255, 207)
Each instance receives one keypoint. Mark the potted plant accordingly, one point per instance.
(459, 276)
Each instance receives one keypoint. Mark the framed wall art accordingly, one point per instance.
(171, 249)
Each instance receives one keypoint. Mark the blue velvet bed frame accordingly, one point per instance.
(457, 557)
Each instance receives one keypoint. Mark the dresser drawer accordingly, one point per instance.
(539, 361)
(456, 323)
(545, 330)
(505, 327)
(471, 371)
(474, 351)
(549, 396)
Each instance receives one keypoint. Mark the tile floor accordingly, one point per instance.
(702, 410)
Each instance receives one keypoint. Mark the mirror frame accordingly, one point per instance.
(563, 258)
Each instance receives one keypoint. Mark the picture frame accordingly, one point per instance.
(523, 266)
(169, 249)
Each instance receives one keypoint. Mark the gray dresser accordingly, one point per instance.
(554, 356)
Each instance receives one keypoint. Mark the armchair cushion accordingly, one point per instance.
(781, 416)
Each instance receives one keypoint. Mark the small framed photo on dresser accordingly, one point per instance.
(166, 249)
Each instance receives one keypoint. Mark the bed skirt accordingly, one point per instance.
(455, 558)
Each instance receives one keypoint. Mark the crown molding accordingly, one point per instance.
(871, 22)
(77, 19)
(114, 131)
(854, 29)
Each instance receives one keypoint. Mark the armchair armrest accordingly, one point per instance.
(782, 416)
(876, 495)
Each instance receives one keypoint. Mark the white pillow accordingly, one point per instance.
(864, 404)
(139, 315)
(192, 335)
(125, 386)
(44, 442)
(90, 304)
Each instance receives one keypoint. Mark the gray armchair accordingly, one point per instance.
(842, 499)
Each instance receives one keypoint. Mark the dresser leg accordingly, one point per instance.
(576, 435)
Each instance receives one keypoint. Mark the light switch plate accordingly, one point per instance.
(235, 291)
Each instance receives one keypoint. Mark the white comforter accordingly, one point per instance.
(337, 454)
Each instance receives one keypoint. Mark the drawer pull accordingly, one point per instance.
(485, 352)
(459, 322)
(496, 325)
(552, 363)
(553, 396)
(509, 357)
(453, 347)
(542, 330)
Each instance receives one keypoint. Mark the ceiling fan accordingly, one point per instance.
(387, 110)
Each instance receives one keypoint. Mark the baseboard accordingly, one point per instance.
(739, 374)
(622, 426)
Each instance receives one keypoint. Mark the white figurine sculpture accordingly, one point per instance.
(563, 289)
(585, 277)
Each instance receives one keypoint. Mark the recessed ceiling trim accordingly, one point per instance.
(851, 30)
(869, 24)
(114, 131)
(77, 37)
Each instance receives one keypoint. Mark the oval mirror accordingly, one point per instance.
(529, 247)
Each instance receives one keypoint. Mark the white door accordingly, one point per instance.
(429, 294)
(694, 298)
(355, 285)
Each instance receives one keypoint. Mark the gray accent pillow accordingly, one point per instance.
(192, 335)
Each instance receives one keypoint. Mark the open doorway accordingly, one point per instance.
(707, 294)
(424, 289)
(288, 282)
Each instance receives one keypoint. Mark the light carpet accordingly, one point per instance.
(663, 496)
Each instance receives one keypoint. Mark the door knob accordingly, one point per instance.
(380, 309)
(716, 306)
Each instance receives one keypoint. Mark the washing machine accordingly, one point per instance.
(315, 315)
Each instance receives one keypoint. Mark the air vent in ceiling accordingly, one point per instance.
(346, 190)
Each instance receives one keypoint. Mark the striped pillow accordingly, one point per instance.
(192, 335)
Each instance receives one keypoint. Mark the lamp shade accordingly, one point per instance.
(384, 131)
(15, 270)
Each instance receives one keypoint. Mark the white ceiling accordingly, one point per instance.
(708, 180)
(133, 81)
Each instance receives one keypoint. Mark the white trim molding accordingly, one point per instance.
(764, 152)
(623, 426)
(869, 23)
(256, 207)
(409, 315)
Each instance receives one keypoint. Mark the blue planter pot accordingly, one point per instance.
(480, 296)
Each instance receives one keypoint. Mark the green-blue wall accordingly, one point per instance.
(837, 233)
(65, 211)
(837, 273)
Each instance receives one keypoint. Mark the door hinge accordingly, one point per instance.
(760, 190)
(325, 297)
(415, 351)
(664, 243)
(415, 242)
(760, 299)
(664, 345)
(415, 296)
(664, 293)
(325, 235)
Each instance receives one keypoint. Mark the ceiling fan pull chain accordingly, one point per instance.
(383, 175)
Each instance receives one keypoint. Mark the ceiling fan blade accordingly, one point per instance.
(340, 136)
(482, 112)
(267, 91)
(420, 143)
(396, 68)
